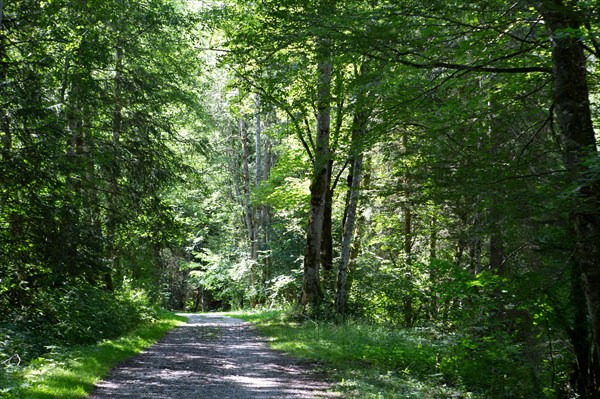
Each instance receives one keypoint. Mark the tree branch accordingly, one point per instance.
(473, 68)
(283, 107)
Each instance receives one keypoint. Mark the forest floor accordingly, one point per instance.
(213, 357)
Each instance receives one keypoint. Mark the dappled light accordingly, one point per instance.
(212, 356)
(406, 192)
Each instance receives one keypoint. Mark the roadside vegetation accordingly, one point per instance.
(70, 371)
(364, 360)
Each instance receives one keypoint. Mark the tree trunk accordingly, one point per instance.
(198, 299)
(585, 376)
(433, 273)
(258, 146)
(311, 287)
(249, 211)
(117, 127)
(234, 166)
(407, 216)
(341, 294)
(433, 236)
(497, 259)
(474, 242)
(359, 131)
(327, 244)
(475, 255)
(573, 115)
(259, 210)
(5, 122)
(7, 136)
(266, 213)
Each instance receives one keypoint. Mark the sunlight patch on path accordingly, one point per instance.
(212, 356)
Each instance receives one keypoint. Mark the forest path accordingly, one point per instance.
(212, 357)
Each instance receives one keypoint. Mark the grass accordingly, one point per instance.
(72, 372)
(364, 361)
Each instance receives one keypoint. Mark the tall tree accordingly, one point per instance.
(573, 115)
(359, 128)
(311, 289)
(68, 129)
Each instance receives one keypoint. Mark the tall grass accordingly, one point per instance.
(369, 361)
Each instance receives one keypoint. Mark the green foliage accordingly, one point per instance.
(114, 176)
(369, 361)
(40, 345)
(71, 372)
(73, 314)
(506, 374)
(96, 98)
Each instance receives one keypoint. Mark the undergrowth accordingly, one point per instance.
(369, 361)
(74, 314)
(71, 371)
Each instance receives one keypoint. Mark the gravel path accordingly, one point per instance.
(212, 357)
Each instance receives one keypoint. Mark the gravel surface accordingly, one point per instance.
(212, 357)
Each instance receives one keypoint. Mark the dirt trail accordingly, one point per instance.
(212, 357)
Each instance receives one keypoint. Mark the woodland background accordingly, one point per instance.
(430, 168)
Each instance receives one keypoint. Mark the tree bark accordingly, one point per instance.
(5, 122)
(361, 219)
(433, 237)
(359, 131)
(586, 373)
(7, 137)
(341, 294)
(248, 211)
(497, 258)
(573, 116)
(327, 241)
(311, 287)
(266, 212)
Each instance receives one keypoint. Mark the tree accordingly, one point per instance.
(90, 123)
(358, 138)
(573, 116)
(311, 290)
(567, 24)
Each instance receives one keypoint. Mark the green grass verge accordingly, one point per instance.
(72, 372)
(364, 361)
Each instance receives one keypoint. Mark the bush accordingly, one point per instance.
(71, 315)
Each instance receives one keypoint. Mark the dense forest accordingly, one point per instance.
(423, 166)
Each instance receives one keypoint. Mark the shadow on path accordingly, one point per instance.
(212, 357)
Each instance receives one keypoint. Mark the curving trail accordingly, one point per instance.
(212, 357)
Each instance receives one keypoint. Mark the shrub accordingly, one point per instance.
(71, 315)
